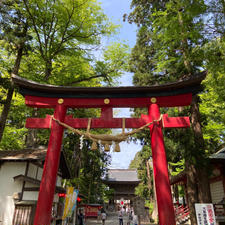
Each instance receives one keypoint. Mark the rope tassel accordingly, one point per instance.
(94, 146)
(107, 147)
(117, 147)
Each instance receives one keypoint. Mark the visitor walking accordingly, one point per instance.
(103, 215)
(130, 217)
(80, 218)
(120, 217)
(135, 219)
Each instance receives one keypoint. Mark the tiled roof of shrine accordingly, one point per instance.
(122, 175)
(218, 155)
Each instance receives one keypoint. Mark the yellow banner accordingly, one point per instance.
(71, 198)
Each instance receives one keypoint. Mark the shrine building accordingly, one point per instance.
(123, 182)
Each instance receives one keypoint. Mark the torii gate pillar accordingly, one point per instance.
(48, 182)
(160, 167)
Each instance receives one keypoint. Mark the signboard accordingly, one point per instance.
(70, 202)
(91, 211)
(139, 206)
(205, 214)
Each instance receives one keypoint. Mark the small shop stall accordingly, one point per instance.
(91, 210)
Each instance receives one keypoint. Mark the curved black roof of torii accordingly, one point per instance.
(28, 87)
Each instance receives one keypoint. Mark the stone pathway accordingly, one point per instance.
(112, 219)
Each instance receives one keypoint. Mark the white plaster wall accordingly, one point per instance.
(6, 210)
(32, 170)
(32, 195)
(40, 171)
(59, 181)
(7, 187)
(7, 171)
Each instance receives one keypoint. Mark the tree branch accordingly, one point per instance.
(88, 79)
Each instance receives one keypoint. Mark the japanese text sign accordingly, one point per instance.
(205, 214)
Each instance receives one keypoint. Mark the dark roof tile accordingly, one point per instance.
(122, 175)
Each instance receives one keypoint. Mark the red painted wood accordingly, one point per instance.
(160, 167)
(47, 187)
(106, 121)
(44, 123)
(106, 113)
(171, 122)
(162, 101)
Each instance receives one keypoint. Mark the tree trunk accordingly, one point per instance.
(7, 104)
(48, 68)
(31, 138)
(15, 71)
(192, 190)
(199, 166)
(204, 195)
(5, 111)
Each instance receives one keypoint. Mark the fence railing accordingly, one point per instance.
(182, 214)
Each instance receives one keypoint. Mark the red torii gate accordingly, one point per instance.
(61, 98)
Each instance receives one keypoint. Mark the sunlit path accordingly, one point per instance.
(112, 219)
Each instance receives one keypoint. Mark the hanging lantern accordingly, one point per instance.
(63, 195)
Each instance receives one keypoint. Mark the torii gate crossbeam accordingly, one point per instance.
(62, 98)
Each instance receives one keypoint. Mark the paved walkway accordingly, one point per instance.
(112, 219)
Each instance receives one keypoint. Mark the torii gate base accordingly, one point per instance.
(106, 98)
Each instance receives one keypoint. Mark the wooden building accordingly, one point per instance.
(217, 183)
(123, 182)
(217, 178)
(20, 177)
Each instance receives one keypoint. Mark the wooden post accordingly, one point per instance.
(47, 187)
(160, 167)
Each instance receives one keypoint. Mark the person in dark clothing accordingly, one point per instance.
(58, 221)
(120, 217)
(80, 218)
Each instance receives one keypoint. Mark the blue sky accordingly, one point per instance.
(115, 9)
